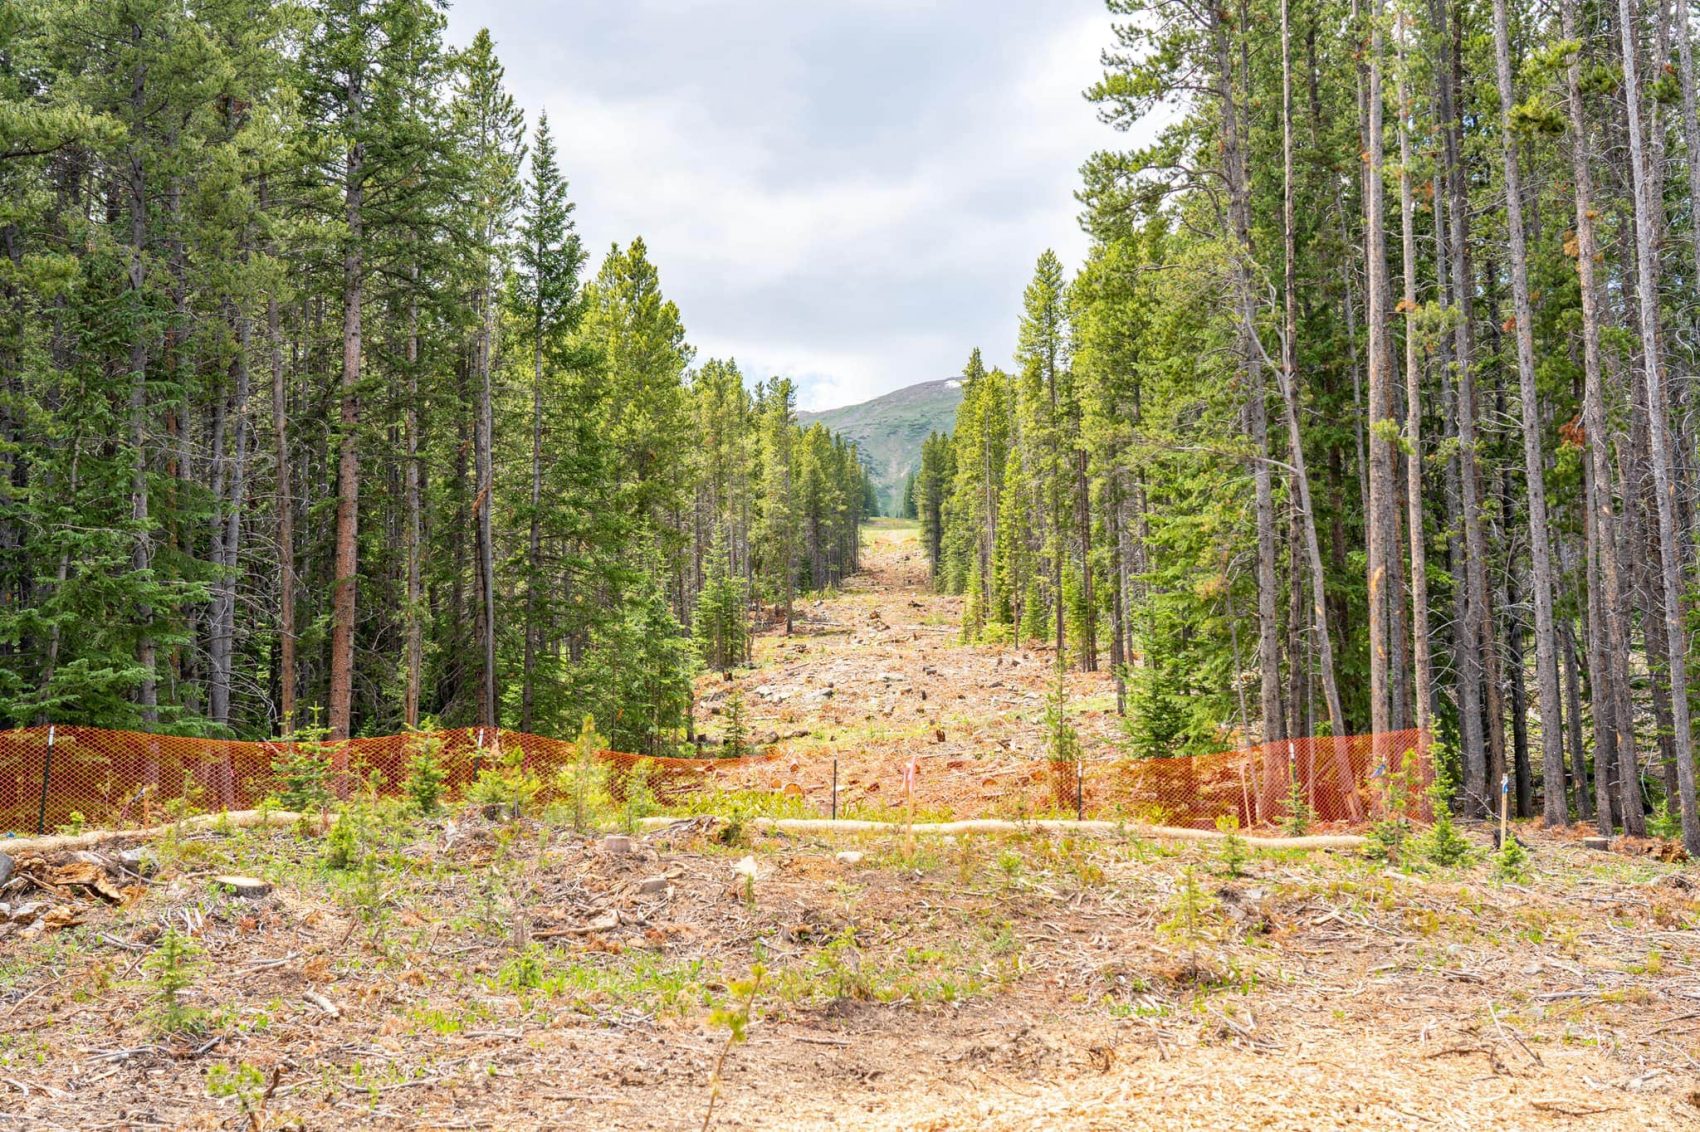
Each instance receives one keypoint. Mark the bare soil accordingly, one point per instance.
(517, 975)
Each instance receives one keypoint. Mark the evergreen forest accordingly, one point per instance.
(316, 413)
(1373, 405)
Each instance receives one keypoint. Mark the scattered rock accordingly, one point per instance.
(848, 857)
(648, 886)
(616, 844)
(249, 888)
(5, 868)
(139, 861)
(24, 912)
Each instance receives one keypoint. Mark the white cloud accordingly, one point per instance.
(851, 195)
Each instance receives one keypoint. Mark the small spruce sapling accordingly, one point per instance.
(173, 967)
(507, 788)
(426, 774)
(1511, 863)
(586, 779)
(1062, 744)
(342, 843)
(1233, 845)
(1443, 844)
(735, 735)
(302, 769)
(1297, 823)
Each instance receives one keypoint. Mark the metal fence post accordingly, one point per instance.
(46, 777)
(835, 788)
(1080, 790)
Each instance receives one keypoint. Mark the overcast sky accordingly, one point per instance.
(851, 193)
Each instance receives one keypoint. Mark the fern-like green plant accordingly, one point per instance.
(735, 1018)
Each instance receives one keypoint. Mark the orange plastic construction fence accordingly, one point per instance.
(53, 776)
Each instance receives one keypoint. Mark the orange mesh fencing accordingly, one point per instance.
(52, 777)
(1347, 782)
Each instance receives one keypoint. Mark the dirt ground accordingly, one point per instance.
(464, 973)
(875, 675)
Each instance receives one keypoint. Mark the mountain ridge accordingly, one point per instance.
(888, 431)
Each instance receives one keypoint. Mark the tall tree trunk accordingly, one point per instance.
(414, 530)
(1288, 376)
(285, 522)
(534, 537)
(483, 505)
(1647, 287)
(1690, 127)
(1599, 674)
(1556, 810)
(1480, 753)
(1256, 413)
(1083, 516)
(1379, 519)
(141, 560)
(346, 573)
(230, 539)
(1422, 673)
(1608, 645)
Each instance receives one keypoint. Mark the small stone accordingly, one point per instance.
(138, 860)
(247, 887)
(5, 868)
(616, 844)
(650, 885)
(26, 911)
(848, 857)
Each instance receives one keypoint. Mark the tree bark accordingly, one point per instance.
(285, 508)
(1659, 428)
(414, 530)
(1422, 672)
(1480, 753)
(1379, 516)
(1288, 376)
(346, 574)
(1556, 809)
(1608, 645)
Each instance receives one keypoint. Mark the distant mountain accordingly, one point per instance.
(889, 430)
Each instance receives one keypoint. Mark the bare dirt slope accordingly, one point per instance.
(876, 675)
(464, 973)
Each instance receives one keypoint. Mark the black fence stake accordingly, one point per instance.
(46, 777)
